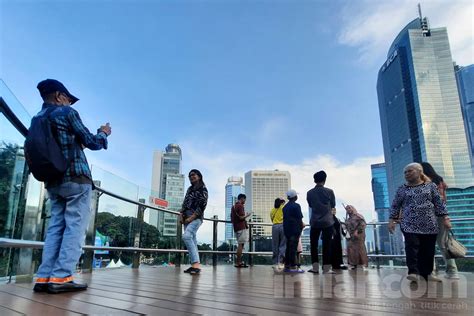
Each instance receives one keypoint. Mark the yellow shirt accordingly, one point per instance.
(276, 215)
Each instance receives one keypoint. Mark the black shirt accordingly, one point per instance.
(292, 219)
(321, 200)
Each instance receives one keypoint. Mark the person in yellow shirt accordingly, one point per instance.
(278, 236)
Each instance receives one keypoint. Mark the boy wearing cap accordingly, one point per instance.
(292, 226)
(70, 194)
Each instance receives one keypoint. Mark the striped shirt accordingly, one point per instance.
(71, 134)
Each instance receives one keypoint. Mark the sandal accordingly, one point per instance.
(242, 265)
(194, 271)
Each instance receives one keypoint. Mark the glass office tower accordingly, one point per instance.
(388, 243)
(234, 187)
(465, 80)
(419, 107)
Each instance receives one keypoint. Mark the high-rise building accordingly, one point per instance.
(388, 243)
(460, 204)
(465, 80)
(234, 187)
(262, 187)
(419, 107)
(168, 182)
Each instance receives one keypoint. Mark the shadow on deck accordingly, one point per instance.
(225, 290)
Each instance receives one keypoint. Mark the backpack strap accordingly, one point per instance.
(48, 114)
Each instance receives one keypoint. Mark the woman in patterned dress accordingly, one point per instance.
(356, 251)
(418, 203)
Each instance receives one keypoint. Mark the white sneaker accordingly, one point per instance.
(434, 278)
(452, 275)
(413, 277)
(327, 269)
(281, 266)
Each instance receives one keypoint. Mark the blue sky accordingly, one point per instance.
(239, 85)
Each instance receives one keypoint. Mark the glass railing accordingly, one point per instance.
(129, 227)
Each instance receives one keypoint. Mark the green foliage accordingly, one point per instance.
(8, 153)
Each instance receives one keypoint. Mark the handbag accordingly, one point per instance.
(345, 231)
(454, 249)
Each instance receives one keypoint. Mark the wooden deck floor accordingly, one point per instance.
(225, 290)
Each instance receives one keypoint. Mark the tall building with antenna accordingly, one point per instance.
(420, 112)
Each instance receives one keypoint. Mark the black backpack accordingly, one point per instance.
(42, 152)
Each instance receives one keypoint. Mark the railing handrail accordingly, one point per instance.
(31, 244)
(225, 221)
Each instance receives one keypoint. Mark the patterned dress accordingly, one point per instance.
(356, 251)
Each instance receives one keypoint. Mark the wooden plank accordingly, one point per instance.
(8, 312)
(61, 302)
(26, 306)
(225, 290)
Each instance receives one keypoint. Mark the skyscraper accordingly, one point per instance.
(168, 182)
(388, 243)
(460, 204)
(262, 187)
(465, 80)
(234, 187)
(419, 107)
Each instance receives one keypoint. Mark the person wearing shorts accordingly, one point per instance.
(239, 221)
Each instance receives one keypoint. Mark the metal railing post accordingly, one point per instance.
(250, 244)
(138, 234)
(179, 235)
(377, 259)
(214, 239)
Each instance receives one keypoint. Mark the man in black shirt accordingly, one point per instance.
(321, 202)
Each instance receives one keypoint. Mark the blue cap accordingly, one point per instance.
(48, 86)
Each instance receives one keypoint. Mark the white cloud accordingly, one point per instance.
(371, 26)
(351, 182)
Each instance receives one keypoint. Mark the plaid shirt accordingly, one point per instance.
(71, 134)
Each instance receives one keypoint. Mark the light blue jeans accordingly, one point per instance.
(278, 244)
(189, 239)
(70, 213)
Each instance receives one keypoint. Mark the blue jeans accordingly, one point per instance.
(189, 239)
(70, 213)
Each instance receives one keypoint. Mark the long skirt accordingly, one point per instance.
(356, 251)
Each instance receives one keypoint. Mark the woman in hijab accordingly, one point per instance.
(356, 251)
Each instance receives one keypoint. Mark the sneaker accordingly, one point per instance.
(452, 275)
(56, 288)
(188, 270)
(327, 269)
(313, 271)
(413, 277)
(434, 278)
(40, 287)
(281, 266)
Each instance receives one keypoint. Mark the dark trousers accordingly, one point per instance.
(327, 233)
(291, 247)
(336, 246)
(420, 251)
